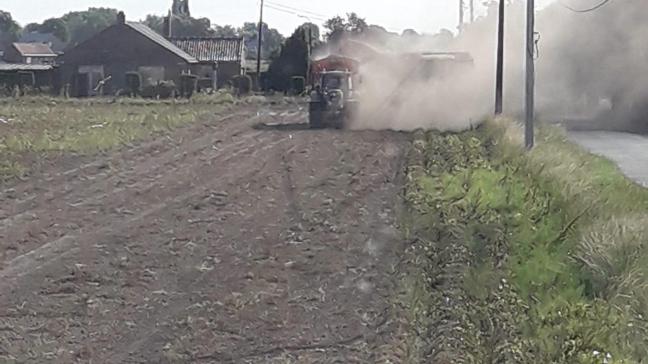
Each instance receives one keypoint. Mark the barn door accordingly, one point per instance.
(82, 85)
(91, 75)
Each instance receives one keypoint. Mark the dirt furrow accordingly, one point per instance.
(274, 245)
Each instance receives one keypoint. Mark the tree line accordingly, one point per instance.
(78, 26)
(288, 56)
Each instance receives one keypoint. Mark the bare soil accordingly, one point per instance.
(222, 243)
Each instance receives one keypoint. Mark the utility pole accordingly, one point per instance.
(461, 15)
(169, 24)
(499, 83)
(310, 46)
(310, 52)
(530, 75)
(259, 47)
(472, 11)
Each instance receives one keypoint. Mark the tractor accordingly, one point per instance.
(333, 101)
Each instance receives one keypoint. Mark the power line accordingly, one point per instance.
(292, 8)
(294, 13)
(600, 5)
(308, 14)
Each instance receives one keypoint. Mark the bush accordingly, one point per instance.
(205, 85)
(297, 85)
(242, 84)
(163, 90)
(166, 90)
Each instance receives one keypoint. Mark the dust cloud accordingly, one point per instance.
(395, 97)
(589, 65)
(594, 63)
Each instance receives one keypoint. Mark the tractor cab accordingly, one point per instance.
(336, 80)
(332, 100)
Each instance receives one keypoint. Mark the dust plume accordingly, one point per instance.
(397, 97)
(595, 63)
(589, 65)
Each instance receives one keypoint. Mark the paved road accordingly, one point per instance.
(629, 151)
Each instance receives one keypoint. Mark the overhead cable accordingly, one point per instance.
(596, 7)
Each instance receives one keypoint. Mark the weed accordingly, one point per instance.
(41, 125)
(542, 254)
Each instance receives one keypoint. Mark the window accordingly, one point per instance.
(28, 60)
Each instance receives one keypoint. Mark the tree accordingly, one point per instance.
(225, 31)
(410, 33)
(31, 27)
(182, 26)
(156, 23)
(9, 30)
(272, 40)
(314, 31)
(356, 23)
(82, 25)
(292, 61)
(55, 26)
(77, 26)
(338, 27)
(376, 35)
(186, 26)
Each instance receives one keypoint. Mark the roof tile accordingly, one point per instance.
(160, 40)
(34, 49)
(213, 49)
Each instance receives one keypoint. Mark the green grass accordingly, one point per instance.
(41, 126)
(552, 245)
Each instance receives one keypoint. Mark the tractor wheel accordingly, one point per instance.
(350, 113)
(315, 116)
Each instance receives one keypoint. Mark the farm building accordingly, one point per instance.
(30, 53)
(219, 58)
(133, 47)
(21, 74)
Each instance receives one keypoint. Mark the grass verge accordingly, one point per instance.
(524, 257)
(40, 126)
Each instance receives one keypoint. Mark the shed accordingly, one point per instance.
(219, 58)
(21, 74)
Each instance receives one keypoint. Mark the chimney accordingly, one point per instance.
(121, 18)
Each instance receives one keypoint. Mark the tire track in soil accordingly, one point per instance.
(147, 176)
(247, 257)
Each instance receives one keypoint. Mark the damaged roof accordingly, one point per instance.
(161, 41)
(212, 49)
(34, 50)
(11, 67)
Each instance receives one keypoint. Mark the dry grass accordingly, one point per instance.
(552, 241)
(607, 244)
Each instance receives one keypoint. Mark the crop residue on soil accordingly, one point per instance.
(220, 243)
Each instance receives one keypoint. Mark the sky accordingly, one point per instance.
(425, 16)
